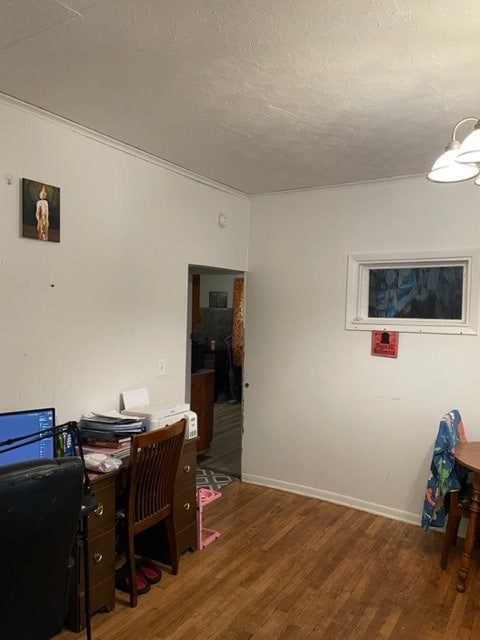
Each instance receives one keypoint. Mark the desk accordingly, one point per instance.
(468, 454)
(101, 525)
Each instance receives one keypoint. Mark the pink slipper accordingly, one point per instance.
(150, 570)
(122, 581)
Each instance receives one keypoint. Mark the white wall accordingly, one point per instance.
(322, 416)
(84, 319)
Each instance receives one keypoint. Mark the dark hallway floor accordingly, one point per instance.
(225, 453)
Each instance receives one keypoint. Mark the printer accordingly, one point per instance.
(155, 416)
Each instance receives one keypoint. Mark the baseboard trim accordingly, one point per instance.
(329, 496)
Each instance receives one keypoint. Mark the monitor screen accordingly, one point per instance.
(23, 423)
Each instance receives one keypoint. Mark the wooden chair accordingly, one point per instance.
(154, 461)
(458, 508)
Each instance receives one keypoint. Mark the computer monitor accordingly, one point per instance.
(23, 423)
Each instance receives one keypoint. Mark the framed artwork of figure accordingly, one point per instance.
(40, 211)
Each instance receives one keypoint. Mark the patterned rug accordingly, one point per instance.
(214, 480)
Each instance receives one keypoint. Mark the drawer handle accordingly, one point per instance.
(186, 468)
(186, 506)
(97, 557)
(99, 510)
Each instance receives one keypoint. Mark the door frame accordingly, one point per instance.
(204, 270)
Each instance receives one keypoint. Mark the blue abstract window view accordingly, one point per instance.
(418, 292)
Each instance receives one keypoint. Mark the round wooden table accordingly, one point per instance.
(468, 454)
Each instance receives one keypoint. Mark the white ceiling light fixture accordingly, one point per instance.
(459, 161)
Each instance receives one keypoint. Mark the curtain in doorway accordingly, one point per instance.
(238, 320)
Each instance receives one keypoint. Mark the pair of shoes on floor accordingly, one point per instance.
(150, 570)
(146, 574)
(122, 581)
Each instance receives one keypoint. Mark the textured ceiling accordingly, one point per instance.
(259, 95)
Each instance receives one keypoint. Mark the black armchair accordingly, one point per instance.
(40, 507)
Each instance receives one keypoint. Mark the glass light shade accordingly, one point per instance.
(470, 148)
(447, 169)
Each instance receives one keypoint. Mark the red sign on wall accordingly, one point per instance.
(385, 343)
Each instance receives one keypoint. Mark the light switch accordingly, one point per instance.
(162, 367)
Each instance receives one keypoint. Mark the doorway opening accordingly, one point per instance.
(215, 364)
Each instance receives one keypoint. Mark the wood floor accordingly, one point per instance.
(287, 567)
(225, 453)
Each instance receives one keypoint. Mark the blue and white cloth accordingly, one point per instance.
(445, 474)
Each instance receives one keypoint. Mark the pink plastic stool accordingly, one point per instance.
(204, 497)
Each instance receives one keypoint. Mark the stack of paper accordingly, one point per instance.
(120, 452)
(111, 424)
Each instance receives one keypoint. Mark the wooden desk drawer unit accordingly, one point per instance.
(101, 547)
(202, 402)
(186, 499)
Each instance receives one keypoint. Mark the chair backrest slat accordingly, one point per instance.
(154, 461)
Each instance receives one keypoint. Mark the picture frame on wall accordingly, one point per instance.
(40, 211)
(217, 299)
(414, 292)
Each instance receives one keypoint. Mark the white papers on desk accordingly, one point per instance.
(114, 453)
(112, 421)
(111, 415)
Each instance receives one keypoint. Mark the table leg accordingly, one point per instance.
(470, 535)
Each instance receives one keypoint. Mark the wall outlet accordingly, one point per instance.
(162, 367)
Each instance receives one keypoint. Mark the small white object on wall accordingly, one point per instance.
(222, 220)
